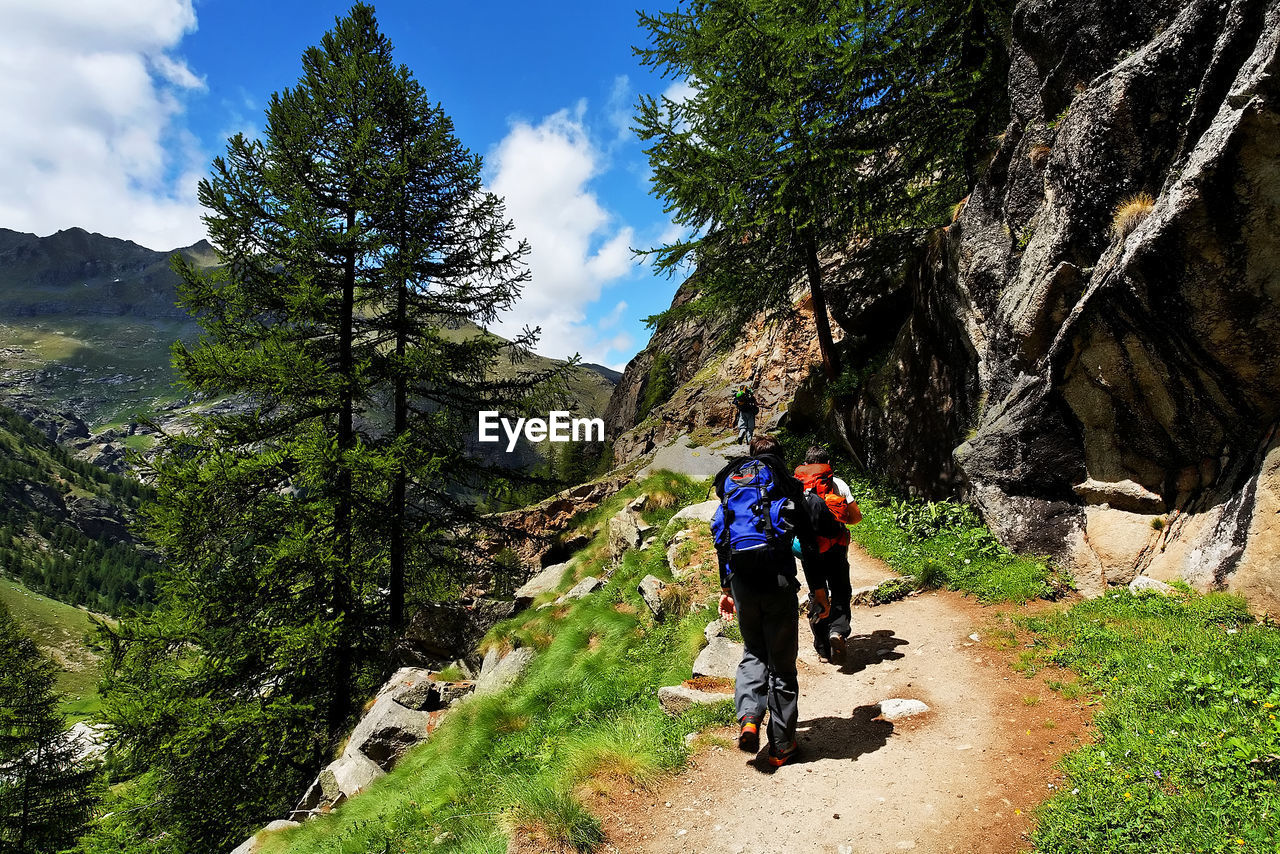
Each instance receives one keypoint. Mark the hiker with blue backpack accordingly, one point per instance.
(761, 512)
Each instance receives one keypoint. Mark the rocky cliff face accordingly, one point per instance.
(1105, 388)
(709, 361)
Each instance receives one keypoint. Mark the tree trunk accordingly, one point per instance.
(340, 706)
(400, 487)
(826, 345)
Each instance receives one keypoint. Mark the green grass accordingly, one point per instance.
(529, 761)
(944, 543)
(1187, 750)
(59, 631)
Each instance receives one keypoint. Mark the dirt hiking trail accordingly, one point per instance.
(962, 777)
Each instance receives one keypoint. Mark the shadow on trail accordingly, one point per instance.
(863, 651)
(835, 738)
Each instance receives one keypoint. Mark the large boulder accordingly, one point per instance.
(702, 512)
(626, 532)
(585, 587)
(338, 782)
(387, 730)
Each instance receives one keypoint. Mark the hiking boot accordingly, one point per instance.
(823, 651)
(749, 737)
(838, 647)
(778, 758)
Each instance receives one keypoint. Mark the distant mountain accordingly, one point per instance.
(76, 273)
(87, 322)
(608, 373)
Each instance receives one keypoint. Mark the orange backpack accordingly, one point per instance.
(817, 476)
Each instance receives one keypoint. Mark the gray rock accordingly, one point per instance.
(544, 582)
(404, 680)
(638, 503)
(1147, 584)
(651, 591)
(896, 708)
(491, 659)
(280, 824)
(681, 458)
(347, 777)
(681, 567)
(506, 672)
(1122, 495)
(714, 629)
(585, 587)
(677, 699)
(720, 657)
(698, 512)
(386, 731)
(339, 781)
(624, 534)
(430, 696)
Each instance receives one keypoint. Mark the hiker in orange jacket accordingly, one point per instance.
(826, 564)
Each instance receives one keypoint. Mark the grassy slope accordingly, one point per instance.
(585, 716)
(59, 630)
(1187, 753)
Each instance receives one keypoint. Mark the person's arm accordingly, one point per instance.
(726, 594)
(843, 489)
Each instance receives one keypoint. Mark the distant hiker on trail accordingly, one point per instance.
(759, 515)
(826, 563)
(745, 401)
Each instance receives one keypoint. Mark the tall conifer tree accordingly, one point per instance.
(358, 246)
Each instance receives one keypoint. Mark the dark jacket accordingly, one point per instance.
(799, 516)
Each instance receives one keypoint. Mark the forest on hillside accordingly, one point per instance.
(87, 559)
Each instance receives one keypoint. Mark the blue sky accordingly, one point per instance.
(121, 104)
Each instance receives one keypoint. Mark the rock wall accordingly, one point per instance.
(773, 357)
(1106, 392)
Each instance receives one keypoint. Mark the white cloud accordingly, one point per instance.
(611, 319)
(577, 248)
(679, 91)
(619, 109)
(91, 90)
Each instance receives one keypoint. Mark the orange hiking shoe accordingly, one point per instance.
(749, 737)
(778, 758)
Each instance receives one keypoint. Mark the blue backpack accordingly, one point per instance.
(750, 527)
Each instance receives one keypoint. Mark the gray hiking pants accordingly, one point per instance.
(746, 426)
(769, 617)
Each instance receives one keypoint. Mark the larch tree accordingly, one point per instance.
(359, 250)
(807, 125)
